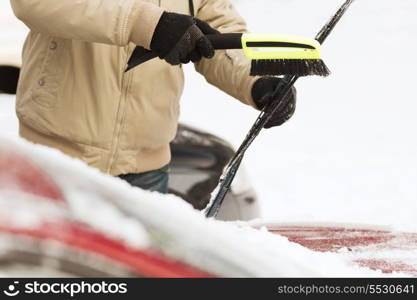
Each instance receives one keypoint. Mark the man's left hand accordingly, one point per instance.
(261, 94)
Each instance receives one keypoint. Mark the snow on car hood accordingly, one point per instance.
(113, 207)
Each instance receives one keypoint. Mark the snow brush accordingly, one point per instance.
(270, 54)
(278, 102)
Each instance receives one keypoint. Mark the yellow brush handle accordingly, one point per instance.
(278, 46)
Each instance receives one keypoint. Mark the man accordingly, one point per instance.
(74, 95)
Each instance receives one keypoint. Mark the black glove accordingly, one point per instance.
(261, 92)
(180, 39)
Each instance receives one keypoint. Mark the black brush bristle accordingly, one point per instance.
(297, 67)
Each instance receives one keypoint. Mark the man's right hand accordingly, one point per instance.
(181, 38)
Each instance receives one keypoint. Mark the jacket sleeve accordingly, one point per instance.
(115, 22)
(229, 69)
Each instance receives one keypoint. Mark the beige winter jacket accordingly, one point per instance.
(73, 93)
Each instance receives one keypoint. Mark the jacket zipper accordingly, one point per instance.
(119, 119)
(126, 79)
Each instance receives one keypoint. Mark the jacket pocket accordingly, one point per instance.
(48, 79)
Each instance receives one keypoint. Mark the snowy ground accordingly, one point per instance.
(12, 34)
(348, 155)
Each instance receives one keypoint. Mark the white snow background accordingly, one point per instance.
(350, 152)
